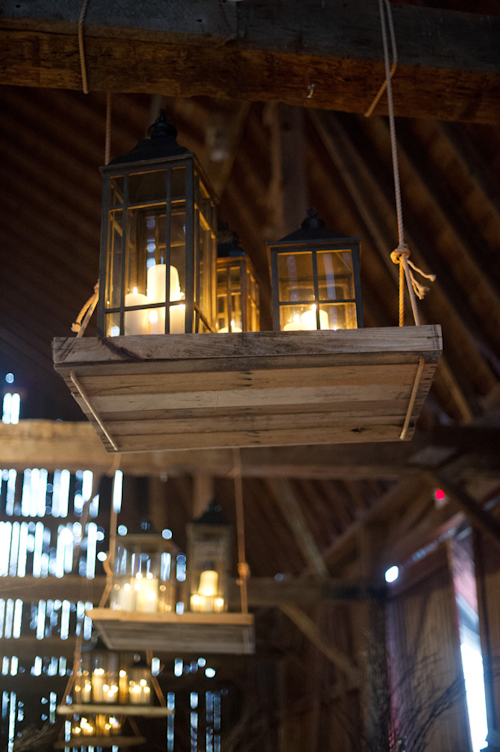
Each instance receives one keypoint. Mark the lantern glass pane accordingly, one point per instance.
(335, 275)
(178, 182)
(222, 300)
(114, 259)
(301, 317)
(112, 324)
(143, 579)
(147, 186)
(139, 685)
(116, 191)
(340, 316)
(235, 282)
(208, 564)
(295, 275)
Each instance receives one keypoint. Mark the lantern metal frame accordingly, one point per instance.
(313, 238)
(230, 256)
(158, 153)
(132, 546)
(209, 541)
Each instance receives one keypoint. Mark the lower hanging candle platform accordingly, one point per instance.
(145, 711)
(188, 391)
(100, 741)
(176, 633)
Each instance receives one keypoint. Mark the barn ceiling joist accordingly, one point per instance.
(324, 55)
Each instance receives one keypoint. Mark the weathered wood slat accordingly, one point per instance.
(279, 437)
(175, 633)
(70, 352)
(196, 391)
(107, 386)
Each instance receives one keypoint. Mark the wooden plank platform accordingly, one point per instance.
(101, 741)
(175, 633)
(146, 393)
(144, 711)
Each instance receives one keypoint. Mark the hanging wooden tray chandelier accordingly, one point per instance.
(176, 633)
(250, 389)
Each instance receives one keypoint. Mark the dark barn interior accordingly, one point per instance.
(272, 98)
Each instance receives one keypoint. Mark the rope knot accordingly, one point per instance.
(401, 250)
(243, 571)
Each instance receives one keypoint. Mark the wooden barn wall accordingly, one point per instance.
(320, 708)
(487, 561)
(428, 690)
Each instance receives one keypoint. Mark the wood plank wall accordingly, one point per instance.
(487, 560)
(426, 672)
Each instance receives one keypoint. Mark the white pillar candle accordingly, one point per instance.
(146, 594)
(156, 285)
(139, 693)
(294, 325)
(209, 580)
(234, 328)
(136, 322)
(308, 319)
(125, 597)
(97, 685)
(86, 691)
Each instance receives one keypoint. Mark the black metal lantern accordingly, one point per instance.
(97, 679)
(108, 677)
(144, 578)
(315, 279)
(157, 269)
(208, 561)
(94, 725)
(237, 289)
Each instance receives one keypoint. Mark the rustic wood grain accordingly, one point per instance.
(448, 61)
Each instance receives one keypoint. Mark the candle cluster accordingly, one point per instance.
(152, 320)
(141, 593)
(307, 321)
(107, 686)
(207, 598)
(97, 725)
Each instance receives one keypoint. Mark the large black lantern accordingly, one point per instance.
(237, 289)
(315, 279)
(158, 245)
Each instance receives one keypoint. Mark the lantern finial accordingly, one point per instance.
(162, 128)
(311, 222)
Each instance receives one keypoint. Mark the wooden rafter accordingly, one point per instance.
(448, 61)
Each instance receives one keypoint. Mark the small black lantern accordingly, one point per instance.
(237, 288)
(158, 235)
(208, 561)
(315, 278)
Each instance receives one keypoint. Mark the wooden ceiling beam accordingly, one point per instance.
(262, 51)
(284, 494)
(54, 444)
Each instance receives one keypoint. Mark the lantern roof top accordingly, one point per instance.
(228, 242)
(211, 516)
(161, 143)
(312, 229)
(96, 644)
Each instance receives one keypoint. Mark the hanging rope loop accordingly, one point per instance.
(86, 312)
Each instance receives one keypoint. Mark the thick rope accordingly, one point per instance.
(107, 147)
(243, 568)
(81, 47)
(401, 254)
(86, 312)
